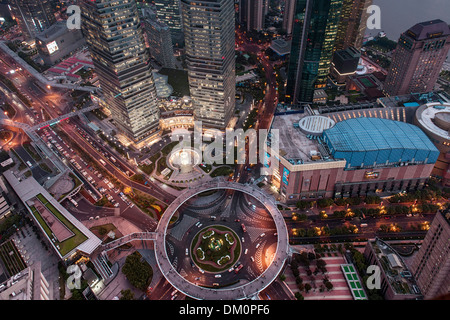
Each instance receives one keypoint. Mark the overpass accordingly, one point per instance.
(241, 291)
(126, 239)
(39, 76)
(27, 128)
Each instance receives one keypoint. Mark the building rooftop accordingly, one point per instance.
(429, 29)
(56, 222)
(396, 271)
(53, 32)
(375, 134)
(281, 47)
(435, 117)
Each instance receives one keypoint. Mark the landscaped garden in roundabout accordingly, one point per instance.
(215, 248)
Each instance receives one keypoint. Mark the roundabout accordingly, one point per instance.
(205, 259)
(215, 248)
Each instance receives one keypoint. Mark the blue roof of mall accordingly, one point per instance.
(381, 140)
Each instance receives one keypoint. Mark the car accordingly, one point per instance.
(187, 251)
(246, 250)
(91, 218)
(97, 217)
(253, 259)
(218, 276)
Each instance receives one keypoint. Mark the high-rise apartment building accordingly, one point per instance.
(169, 13)
(431, 265)
(288, 16)
(418, 58)
(159, 40)
(115, 38)
(313, 37)
(353, 23)
(32, 16)
(210, 57)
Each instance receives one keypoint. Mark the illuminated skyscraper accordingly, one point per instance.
(431, 264)
(169, 13)
(209, 38)
(32, 16)
(113, 32)
(352, 26)
(418, 58)
(313, 37)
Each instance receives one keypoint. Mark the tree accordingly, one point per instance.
(299, 296)
(329, 285)
(127, 294)
(138, 272)
(307, 287)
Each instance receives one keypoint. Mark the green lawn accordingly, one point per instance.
(67, 245)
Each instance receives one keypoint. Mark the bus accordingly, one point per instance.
(74, 202)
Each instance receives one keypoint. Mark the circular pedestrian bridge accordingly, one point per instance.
(236, 292)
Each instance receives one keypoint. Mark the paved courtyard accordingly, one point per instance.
(334, 273)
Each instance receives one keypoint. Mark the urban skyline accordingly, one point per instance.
(245, 151)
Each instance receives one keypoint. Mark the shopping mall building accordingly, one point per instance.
(348, 154)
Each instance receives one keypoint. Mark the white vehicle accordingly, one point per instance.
(187, 251)
(246, 250)
(29, 164)
(257, 246)
(253, 259)
(218, 276)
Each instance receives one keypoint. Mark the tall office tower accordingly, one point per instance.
(209, 37)
(32, 16)
(242, 12)
(288, 16)
(256, 15)
(251, 14)
(168, 12)
(159, 41)
(313, 36)
(431, 265)
(418, 58)
(352, 26)
(115, 38)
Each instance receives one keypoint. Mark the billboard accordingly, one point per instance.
(52, 47)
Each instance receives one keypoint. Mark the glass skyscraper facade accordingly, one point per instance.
(313, 38)
(113, 32)
(210, 57)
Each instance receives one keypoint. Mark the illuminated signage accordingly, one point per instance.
(52, 47)
(267, 160)
(371, 175)
(286, 176)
